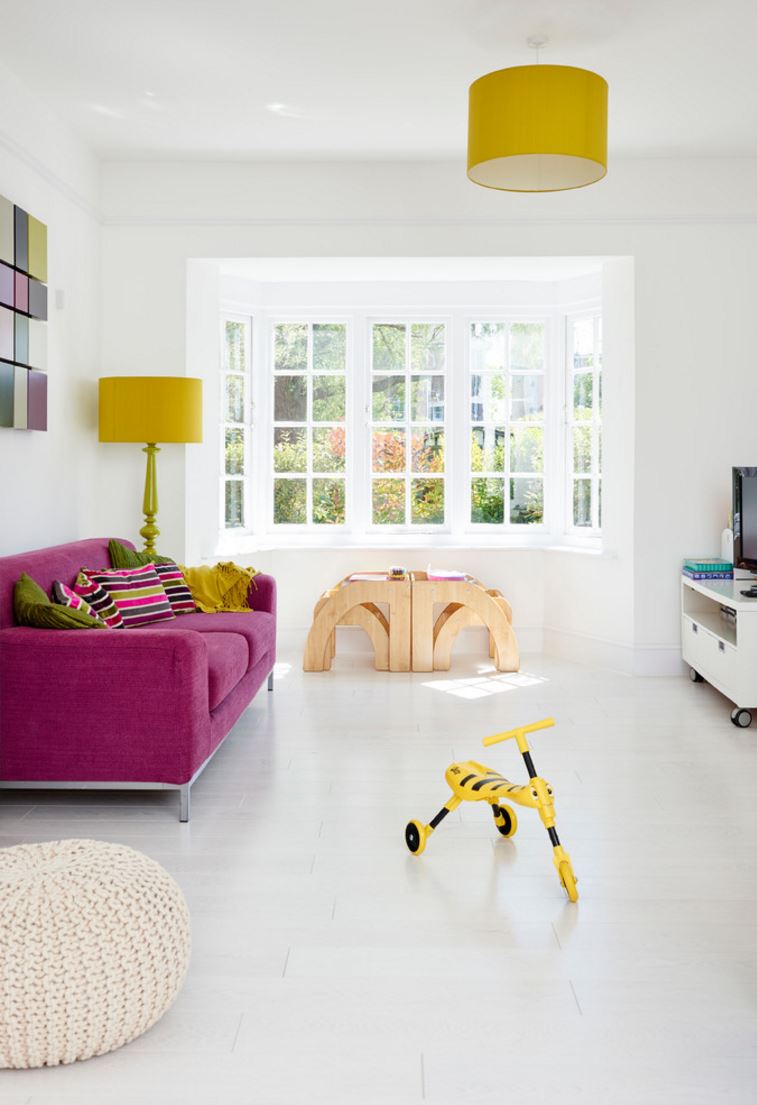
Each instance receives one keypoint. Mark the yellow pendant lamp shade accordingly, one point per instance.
(537, 128)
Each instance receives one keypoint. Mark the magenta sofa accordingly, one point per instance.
(127, 708)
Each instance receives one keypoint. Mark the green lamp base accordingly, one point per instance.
(150, 502)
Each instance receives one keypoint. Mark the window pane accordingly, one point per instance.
(488, 346)
(487, 449)
(329, 347)
(290, 451)
(328, 398)
(428, 450)
(234, 506)
(389, 347)
(527, 400)
(290, 402)
(526, 501)
(583, 343)
(329, 449)
(388, 502)
(427, 502)
(526, 346)
(527, 449)
(388, 450)
(234, 398)
(582, 502)
(583, 388)
(427, 347)
(582, 449)
(487, 501)
(234, 351)
(291, 347)
(388, 399)
(427, 399)
(289, 501)
(488, 398)
(328, 502)
(234, 452)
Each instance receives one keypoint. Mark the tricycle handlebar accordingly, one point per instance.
(520, 732)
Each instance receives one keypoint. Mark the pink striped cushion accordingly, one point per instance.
(99, 600)
(138, 594)
(64, 596)
(179, 595)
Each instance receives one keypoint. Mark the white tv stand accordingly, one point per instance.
(721, 650)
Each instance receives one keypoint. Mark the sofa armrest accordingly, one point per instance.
(262, 593)
(118, 705)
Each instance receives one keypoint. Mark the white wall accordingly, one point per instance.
(47, 479)
(690, 227)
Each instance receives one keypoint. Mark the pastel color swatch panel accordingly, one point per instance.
(23, 319)
(7, 236)
(37, 402)
(7, 285)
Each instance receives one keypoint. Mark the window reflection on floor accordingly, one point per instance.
(488, 681)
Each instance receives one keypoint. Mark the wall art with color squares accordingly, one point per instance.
(23, 319)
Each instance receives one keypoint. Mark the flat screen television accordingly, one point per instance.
(745, 518)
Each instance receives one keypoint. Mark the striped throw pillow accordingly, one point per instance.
(64, 596)
(98, 600)
(179, 595)
(138, 594)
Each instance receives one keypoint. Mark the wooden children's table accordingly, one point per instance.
(402, 621)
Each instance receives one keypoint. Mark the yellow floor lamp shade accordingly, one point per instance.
(152, 409)
(537, 128)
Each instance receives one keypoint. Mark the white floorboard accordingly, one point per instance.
(330, 966)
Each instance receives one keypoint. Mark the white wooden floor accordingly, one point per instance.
(331, 966)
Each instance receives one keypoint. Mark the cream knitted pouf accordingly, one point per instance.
(94, 946)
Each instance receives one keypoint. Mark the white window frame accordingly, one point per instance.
(247, 425)
(269, 332)
(595, 475)
(407, 319)
(511, 528)
(358, 529)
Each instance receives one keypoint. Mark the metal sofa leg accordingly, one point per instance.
(270, 681)
(184, 801)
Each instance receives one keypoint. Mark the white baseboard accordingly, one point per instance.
(643, 660)
(351, 639)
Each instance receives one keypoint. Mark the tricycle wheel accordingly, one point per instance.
(568, 879)
(415, 837)
(505, 820)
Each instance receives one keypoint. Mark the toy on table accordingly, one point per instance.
(473, 782)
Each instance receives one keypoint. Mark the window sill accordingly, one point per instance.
(246, 544)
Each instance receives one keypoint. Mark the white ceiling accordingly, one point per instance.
(172, 78)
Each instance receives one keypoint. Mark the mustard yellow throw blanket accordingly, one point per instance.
(219, 587)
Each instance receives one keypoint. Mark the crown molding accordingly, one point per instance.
(425, 221)
(73, 195)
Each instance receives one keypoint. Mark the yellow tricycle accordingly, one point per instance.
(473, 782)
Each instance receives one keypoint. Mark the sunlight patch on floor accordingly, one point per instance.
(488, 682)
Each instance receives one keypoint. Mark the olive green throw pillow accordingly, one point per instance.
(121, 557)
(32, 607)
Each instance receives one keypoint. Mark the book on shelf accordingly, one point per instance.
(706, 564)
(706, 575)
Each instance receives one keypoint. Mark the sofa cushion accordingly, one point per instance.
(227, 664)
(171, 576)
(33, 608)
(137, 592)
(98, 600)
(64, 596)
(257, 627)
